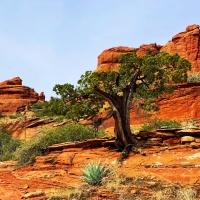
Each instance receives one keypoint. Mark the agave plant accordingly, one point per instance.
(94, 172)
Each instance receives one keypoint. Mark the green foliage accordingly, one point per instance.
(47, 109)
(94, 173)
(27, 152)
(8, 145)
(15, 115)
(156, 123)
(78, 102)
(194, 78)
(144, 78)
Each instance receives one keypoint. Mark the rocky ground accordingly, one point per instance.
(163, 171)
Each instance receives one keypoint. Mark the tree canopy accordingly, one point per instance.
(141, 78)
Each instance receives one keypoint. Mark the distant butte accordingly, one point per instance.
(14, 97)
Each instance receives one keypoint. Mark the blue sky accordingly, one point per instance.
(48, 42)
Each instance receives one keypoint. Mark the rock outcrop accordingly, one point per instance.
(164, 167)
(14, 97)
(184, 103)
(187, 45)
(108, 59)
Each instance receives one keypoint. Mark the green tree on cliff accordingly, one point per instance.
(143, 78)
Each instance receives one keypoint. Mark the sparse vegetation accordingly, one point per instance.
(157, 123)
(46, 109)
(27, 152)
(119, 186)
(194, 78)
(15, 115)
(8, 145)
(187, 193)
(94, 173)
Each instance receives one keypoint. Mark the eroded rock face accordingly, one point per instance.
(184, 102)
(108, 59)
(187, 45)
(15, 97)
(182, 105)
(169, 165)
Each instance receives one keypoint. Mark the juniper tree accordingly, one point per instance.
(144, 78)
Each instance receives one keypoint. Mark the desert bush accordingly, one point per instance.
(156, 123)
(27, 152)
(8, 145)
(55, 107)
(186, 193)
(194, 78)
(41, 109)
(94, 173)
(79, 193)
(15, 115)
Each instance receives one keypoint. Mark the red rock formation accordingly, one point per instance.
(184, 103)
(187, 45)
(147, 48)
(15, 97)
(108, 59)
(62, 167)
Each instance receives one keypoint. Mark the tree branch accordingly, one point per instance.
(107, 97)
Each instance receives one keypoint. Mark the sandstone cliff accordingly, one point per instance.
(184, 103)
(15, 97)
(187, 45)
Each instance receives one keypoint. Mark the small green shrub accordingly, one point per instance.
(15, 115)
(194, 78)
(156, 123)
(55, 107)
(94, 173)
(8, 145)
(41, 109)
(27, 152)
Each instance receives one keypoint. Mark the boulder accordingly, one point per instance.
(195, 145)
(187, 139)
(14, 97)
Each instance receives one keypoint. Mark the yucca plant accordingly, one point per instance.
(94, 172)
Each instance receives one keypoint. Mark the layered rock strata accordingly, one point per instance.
(184, 103)
(15, 97)
(187, 45)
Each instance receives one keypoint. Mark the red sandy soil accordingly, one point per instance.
(179, 163)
